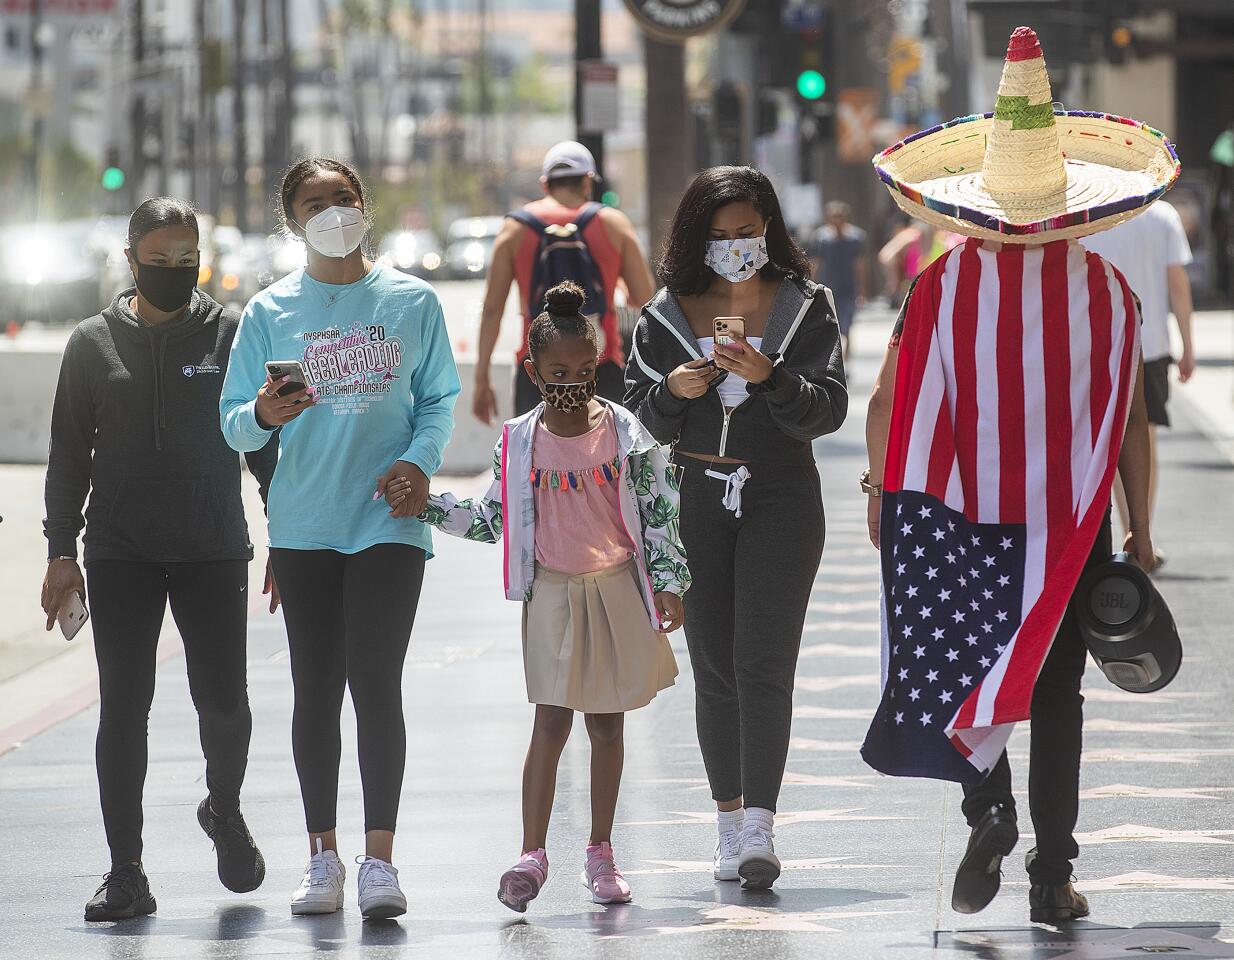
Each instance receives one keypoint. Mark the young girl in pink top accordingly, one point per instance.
(586, 505)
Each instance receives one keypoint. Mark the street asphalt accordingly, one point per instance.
(868, 859)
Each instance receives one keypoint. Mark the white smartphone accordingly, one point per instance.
(277, 369)
(725, 327)
(72, 616)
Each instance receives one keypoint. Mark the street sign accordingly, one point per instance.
(675, 21)
(600, 106)
(856, 115)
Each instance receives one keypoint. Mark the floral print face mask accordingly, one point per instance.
(737, 260)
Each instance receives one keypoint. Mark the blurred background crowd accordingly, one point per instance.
(447, 106)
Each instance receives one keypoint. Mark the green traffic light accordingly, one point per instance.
(113, 178)
(610, 198)
(811, 84)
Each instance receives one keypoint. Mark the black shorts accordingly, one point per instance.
(1157, 390)
(610, 384)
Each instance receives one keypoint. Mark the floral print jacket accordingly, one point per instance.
(650, 503)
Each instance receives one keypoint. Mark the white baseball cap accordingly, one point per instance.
(568, 159)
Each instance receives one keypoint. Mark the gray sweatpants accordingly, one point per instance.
(744, 615)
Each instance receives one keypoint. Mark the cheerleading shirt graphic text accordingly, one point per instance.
(352, 367)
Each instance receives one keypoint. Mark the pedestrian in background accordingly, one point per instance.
(135, 426)
(588, 508)
(563, 236)
(837, 257)
(741, 417)
(372, 400)
(1152, 252)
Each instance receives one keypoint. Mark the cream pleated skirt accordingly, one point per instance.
(588, 644)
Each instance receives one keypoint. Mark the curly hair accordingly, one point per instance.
(562, 317)
(682, 268)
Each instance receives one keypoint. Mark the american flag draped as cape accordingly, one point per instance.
(1012, 387)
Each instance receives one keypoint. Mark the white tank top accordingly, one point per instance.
(732, 389)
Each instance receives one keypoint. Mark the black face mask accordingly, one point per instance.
(166, 288)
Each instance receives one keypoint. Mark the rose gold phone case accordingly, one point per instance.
(724, 327)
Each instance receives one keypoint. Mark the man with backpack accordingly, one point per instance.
(564, 236)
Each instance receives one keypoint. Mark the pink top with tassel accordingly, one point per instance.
(578, 507)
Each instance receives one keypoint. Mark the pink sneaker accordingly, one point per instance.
(522, 882)
(602, 877)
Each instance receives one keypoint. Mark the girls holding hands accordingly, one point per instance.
(586, 505)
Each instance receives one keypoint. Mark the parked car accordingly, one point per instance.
(469, 246)
(50, 273)
(412, 251)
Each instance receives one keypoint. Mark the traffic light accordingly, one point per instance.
(113, 174)
(811, 85)
(1119, 42)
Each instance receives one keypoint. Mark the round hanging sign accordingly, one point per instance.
(678, 20)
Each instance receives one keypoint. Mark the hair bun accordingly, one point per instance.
(564, 300)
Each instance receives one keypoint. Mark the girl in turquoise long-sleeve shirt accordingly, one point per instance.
(379, 405)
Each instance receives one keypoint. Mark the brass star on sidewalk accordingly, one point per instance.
(1164, 793)
(735, 917)
(1136, 833)
(1141, 880)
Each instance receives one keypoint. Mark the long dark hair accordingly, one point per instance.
(159, 212)
(301, 171)
(681, 267)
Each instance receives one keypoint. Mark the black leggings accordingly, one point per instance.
(349, 619)
(209, 604)
(1056, 741)
(744, 615)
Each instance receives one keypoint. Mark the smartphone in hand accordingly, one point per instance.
(277, 369)
(72, 616)
(725, 328)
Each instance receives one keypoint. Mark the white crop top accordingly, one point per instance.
(732, 389)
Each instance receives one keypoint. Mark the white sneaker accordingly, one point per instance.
(758, 866)
(728, 853)
(380, 895)
(321, 890)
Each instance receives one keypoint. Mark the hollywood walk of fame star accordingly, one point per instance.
(1173, 793)
(1137, 833)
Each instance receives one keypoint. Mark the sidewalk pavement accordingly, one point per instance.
(868, 859)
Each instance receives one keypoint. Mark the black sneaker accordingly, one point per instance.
(124, 893)
(241, 865)
(978, 877)
(1055, 903)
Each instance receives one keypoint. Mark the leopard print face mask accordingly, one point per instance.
(568, 397)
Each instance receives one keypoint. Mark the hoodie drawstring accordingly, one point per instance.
(733, 483)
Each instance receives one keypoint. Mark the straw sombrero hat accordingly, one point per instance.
(1028, 173)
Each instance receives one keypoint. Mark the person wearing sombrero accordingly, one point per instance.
(1009, 395)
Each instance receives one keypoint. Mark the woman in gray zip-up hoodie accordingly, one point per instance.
(741, 418)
